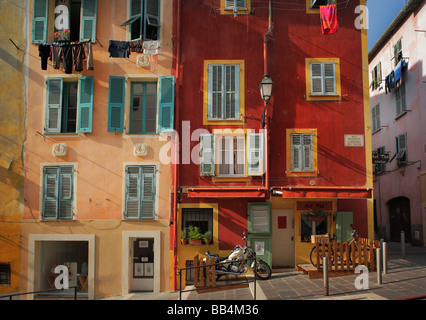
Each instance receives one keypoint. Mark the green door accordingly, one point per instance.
(344, 220)
(260, 230)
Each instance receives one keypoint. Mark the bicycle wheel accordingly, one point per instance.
(313, 254)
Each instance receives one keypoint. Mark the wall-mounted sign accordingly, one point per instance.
(259, 248)
(314, 205)
(354, 140)
(380, 158)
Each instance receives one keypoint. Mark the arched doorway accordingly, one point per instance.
(400, 218)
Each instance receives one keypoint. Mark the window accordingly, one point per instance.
(78, 16)
(310, 226)
(317, 3)
(231, 155)
(323, 79)
(140, 192)
(58, 193)
(259, 220)
(202, 218)
(301, 152)
(235, 6)
(380, 167)
(223, 94)
(397, 52)
(150, 107)
(375, 115)
(401, 105)
(144, 21)
(401, 149)
(4, 274)
(376, 75)
(69, 107)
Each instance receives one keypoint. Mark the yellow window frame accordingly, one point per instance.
(223, 11)
(309, 10)
(328, 97)
(291, 173)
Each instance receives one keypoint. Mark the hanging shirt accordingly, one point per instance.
(44, 53)
(67, 58)
(56, 56)
(89, 54)
(328, 16)
(119, 49)
(78, 56)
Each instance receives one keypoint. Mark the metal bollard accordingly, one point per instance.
(385, 258)
(325, 276)
(403, 245)
(379, 265)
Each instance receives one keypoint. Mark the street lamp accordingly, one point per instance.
(265, 88)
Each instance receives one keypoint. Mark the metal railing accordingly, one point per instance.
(207, 266)
(10, 296)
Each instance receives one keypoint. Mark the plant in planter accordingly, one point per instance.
(208, 237)
(183, 237)
(194, 235)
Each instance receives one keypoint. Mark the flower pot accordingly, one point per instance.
(195, 241)
(184, 241)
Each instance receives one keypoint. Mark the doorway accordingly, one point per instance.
(283, 254)
(142, 278)
(400, 219)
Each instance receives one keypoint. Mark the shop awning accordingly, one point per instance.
(227, 192)
(338, 193)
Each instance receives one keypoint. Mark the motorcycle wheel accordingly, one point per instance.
(263, 270)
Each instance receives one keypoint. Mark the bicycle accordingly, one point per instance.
(328, 244)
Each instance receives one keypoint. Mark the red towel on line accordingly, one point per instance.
(329, 22)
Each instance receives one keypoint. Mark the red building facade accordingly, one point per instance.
(266, 167)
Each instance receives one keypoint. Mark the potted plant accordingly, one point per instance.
(183, 237)
(208, 237)
(194, 235)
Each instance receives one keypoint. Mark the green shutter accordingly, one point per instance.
(255, 153)
(116, 104)
(65, 192)
(344, 220)
(133, 193)
(166, 109)
(207, 163)
(54, 105)
(85, 104)
(88, 20)
(152, 13)
(40, 16)
(50, 192)
(148, 193)
(58, 192)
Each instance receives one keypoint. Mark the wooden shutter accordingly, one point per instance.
(133, 192)
(66, 192)
(238, 4)
(215, 92)
(316, 78)
(40, 17)
(166, 109)
(231, 91)
(344, 220)
(148, 193)
(152, 13)
(307, 153)
(85, 104)
(54, 105)
(329, 78)
(88, 20)
(296, 152)
(255, 153)
(207, 152)
(116, 104)
(50, 192)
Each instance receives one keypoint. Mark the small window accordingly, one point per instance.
(144, 21)
(4, 274)
(311, 226)
(401, 149)
(323, 79)
(235, 7)
(235, 4)
(58, 193)
(376, 75)
(202, 218)
(401, 105)
(143, 107)
(380, 167)
(315, 4)
(140, 192)
(397, 52)
(302, 152)
(375, 118)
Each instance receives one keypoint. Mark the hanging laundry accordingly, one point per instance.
(153, 62)
(390, 82)
(78, 56)
(119, 49)
(328, 16)
(56, 56)
(67, 58)
(136, 46)
(44, 54)
(152, 47)
(89, 54)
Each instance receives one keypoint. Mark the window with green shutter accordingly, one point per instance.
(69, 105)
(58, 194)
(140, 192)
(144, 19)
(78, 16)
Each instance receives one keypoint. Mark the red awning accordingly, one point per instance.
(349, 193)
(226, 192)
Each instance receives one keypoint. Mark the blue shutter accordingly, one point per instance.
(88, 20)
(54, 105)
(85, 104)
(148, 193)
(116, 104)
(166, 109)
(40, 16)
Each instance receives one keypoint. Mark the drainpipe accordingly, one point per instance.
(175, 163)
(266, 72)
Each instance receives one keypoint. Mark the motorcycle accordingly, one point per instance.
(236, 262)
